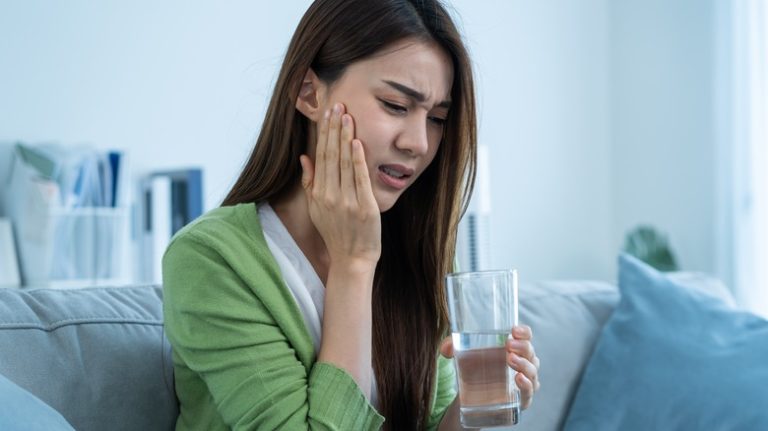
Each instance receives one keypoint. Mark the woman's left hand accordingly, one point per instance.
(521, 357)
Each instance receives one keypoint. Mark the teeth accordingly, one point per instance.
(392, 173)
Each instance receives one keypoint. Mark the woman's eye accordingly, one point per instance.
(394, 107)
(401, 110)
(437, 120)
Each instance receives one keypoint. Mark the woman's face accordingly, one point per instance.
(399, 101)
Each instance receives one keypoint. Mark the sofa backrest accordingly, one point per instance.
(97, 355)
(566, 318)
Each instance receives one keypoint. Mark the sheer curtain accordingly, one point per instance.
(743, 155)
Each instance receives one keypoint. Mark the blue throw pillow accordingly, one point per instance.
(673, 358)
(22, 411)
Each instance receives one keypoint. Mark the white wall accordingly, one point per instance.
(663, 123)
(542, 70)
(175, 83)
(596, 112)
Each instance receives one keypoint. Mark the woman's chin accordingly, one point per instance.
(385, 207)
(386, 201)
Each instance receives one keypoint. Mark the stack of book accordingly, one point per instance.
(68, 213)
(171, 199)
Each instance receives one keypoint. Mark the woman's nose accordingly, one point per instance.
(414, 140)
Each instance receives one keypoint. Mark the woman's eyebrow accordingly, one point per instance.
(414, 94)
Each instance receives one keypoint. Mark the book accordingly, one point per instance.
(186, 196)
(115, 163)
(157, 226)
(171, 200)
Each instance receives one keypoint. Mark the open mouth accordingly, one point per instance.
(395, 176)
(392, 172)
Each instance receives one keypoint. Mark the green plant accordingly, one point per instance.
(647, 244)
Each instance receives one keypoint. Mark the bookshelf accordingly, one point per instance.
(77, 220)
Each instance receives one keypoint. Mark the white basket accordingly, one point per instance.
(63, 247)
(86, 247)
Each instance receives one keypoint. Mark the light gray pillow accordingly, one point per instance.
(566, 318)
(97, 355)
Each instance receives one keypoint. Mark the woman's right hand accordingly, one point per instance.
(344, 211)
(338, 189)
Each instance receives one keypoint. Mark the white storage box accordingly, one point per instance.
(88, 246)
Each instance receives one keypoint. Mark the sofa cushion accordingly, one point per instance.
(673, 358)
(97, 355)
(704, 283)
(566, 318)
(22, 411)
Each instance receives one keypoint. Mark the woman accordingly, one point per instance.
(314, 297)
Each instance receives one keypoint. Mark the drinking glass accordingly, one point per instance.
(483, 310)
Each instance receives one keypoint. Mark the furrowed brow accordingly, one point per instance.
(414, 94)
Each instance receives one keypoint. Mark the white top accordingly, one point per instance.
(300, 277)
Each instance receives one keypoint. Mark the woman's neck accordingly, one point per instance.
(293, 212)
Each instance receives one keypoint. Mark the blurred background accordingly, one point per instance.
(596, 117)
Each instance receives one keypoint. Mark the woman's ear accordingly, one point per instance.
(311, 94)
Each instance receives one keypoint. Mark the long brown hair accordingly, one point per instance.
(419, 232)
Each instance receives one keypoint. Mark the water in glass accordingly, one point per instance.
(488, 393)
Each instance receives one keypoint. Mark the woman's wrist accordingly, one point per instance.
(347, 321)
(356, 271)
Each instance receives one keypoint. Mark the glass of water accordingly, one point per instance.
(483, 310)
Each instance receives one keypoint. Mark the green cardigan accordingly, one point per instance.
(243, 357)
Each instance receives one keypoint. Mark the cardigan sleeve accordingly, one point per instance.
(221, 330)
(445, 391)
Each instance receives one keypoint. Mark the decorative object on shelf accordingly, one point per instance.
(65, 203)
(9, 265)
(170, 199)
(651, 246)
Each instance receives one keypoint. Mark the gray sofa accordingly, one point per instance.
(99, 357)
